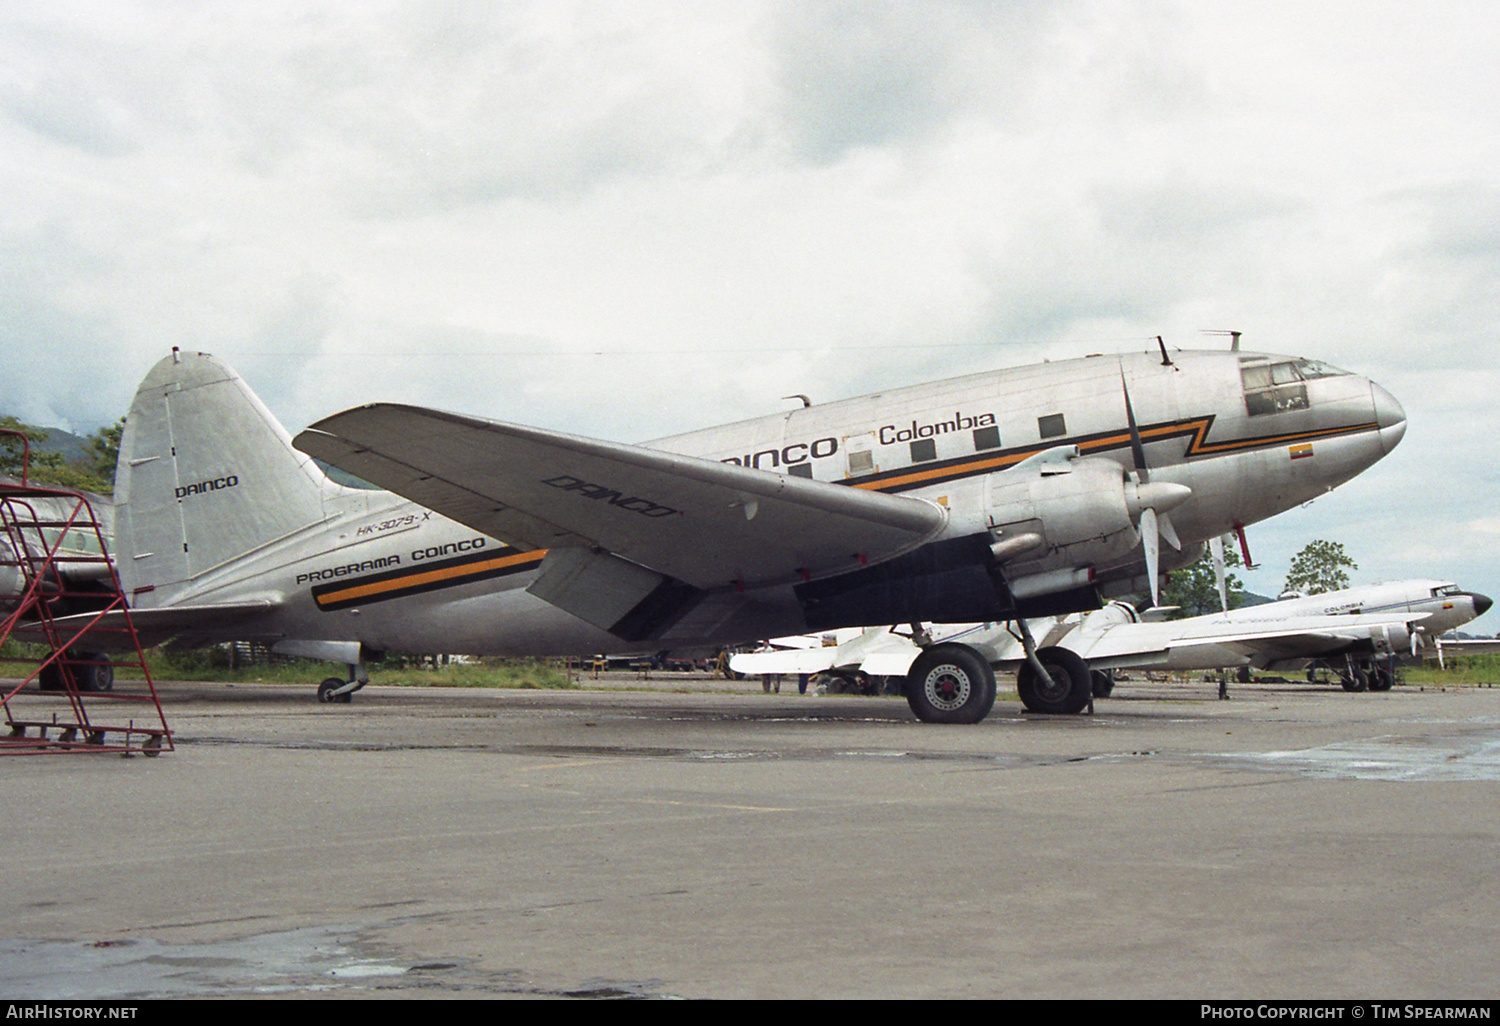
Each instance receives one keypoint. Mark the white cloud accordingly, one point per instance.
(460, 204)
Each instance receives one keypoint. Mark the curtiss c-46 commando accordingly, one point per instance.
(1027, 492)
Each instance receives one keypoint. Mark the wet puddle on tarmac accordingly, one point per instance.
(312, 959)
(1475, 758)
(304, 961)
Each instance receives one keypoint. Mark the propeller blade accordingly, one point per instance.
(1151, 543)
(1216, 550)
(1164, 524)
(1137, 448)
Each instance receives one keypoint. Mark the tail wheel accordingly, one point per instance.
(950, 684)
(1067, 688)
(328, 687)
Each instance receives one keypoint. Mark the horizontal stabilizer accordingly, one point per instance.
(107, 632)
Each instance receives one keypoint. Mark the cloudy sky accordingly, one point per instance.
(627, 219)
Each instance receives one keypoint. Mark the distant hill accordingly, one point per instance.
(69, 446)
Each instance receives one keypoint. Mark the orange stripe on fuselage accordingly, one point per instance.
(452, 574)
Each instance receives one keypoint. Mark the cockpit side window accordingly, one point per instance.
(1273, 387)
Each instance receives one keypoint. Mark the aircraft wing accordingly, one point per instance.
(708, 524)
(1209, 642)
(880, 652)
(1468, 646)
(786, 660)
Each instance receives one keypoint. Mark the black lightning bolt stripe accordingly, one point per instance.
(1195, 431)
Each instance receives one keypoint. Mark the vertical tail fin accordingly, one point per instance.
(205, 475)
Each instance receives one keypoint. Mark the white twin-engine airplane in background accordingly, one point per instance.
(1017, 493)
(1355, 632)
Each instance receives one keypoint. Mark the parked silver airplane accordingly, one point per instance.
(1353, 631)
(1025, 492)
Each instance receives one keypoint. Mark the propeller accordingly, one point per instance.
(1150, 503)
(1221, 577)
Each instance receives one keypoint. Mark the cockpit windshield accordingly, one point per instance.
(1310, 369)
(1280, 386)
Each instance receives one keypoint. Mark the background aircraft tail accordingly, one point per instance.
(206, 475)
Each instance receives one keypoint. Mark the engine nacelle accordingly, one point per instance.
(12, 582)
(1391, 639)
(1083, 510)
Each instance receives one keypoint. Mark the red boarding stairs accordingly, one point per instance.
(49, 570)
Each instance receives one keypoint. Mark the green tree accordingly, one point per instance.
(1321, 566)
(13, 452)
(1195, 588)
(104, 451)
(47, 468)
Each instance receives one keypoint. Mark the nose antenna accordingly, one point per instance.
(1234, 337)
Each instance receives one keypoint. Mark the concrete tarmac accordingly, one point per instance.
(684, 838)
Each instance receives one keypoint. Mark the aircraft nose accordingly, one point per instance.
(1482, 603)
(1389, 416)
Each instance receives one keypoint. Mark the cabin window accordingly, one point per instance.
(986, 438)
(1273, 387)
(1051, 426)
(800, 470)
(923, 449)
(861, 461)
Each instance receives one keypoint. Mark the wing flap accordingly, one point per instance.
(708, 524)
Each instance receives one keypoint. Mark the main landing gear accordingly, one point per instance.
(1063, 687)
(1366, 674)
(92, 671)
(953, 683)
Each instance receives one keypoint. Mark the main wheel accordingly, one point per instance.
(50, 678)
(1381, 679)
(950, 684)
(97, 673)
(1067, 688)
